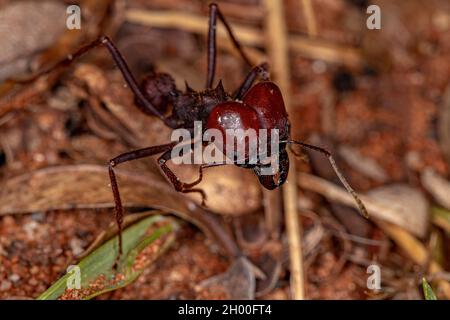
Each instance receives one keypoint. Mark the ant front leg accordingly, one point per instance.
(177, 184)
(360, 204)
(215, 12)
(145, 105)
(125, 157)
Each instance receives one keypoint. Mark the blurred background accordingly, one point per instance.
(379, 100)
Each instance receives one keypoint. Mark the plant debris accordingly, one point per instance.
(377, 99)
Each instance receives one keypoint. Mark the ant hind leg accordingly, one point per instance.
(362, 209)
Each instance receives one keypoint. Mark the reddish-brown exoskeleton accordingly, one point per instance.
(258, 106)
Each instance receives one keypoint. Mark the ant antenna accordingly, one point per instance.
(361, 207)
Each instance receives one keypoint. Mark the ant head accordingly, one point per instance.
(158, 88)
(266, 99)
(271, 182)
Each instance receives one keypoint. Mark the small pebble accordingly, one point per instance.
(30, 228)
(14, 277)
(38, 216)
(77, 246)
(34, 270)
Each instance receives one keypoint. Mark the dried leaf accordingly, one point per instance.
(312, 238)
(398, 204)
(238, 282)
(272, 269)
(17, 96)
(437, 186)
(25, 28)
(407, 203)
(120, 115)
(250, 231)
(87, 186)
(367, 166)
(230, 190)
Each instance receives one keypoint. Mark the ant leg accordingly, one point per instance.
(341, 177)
(261, 70)
(177, 184)
(299, 155)
(125, 157)
(146, 106)
(214, 12)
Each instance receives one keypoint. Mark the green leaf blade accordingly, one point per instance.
(100, 263)
(428, 291)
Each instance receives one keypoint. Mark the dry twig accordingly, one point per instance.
(310, 18)
(248, 36)
(277, 45)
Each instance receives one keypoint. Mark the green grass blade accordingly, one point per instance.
(96, 270)
(427, 291)
(441, 218)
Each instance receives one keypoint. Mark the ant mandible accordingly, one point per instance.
(258, 106)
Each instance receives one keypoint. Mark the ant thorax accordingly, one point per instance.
(191, 106)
